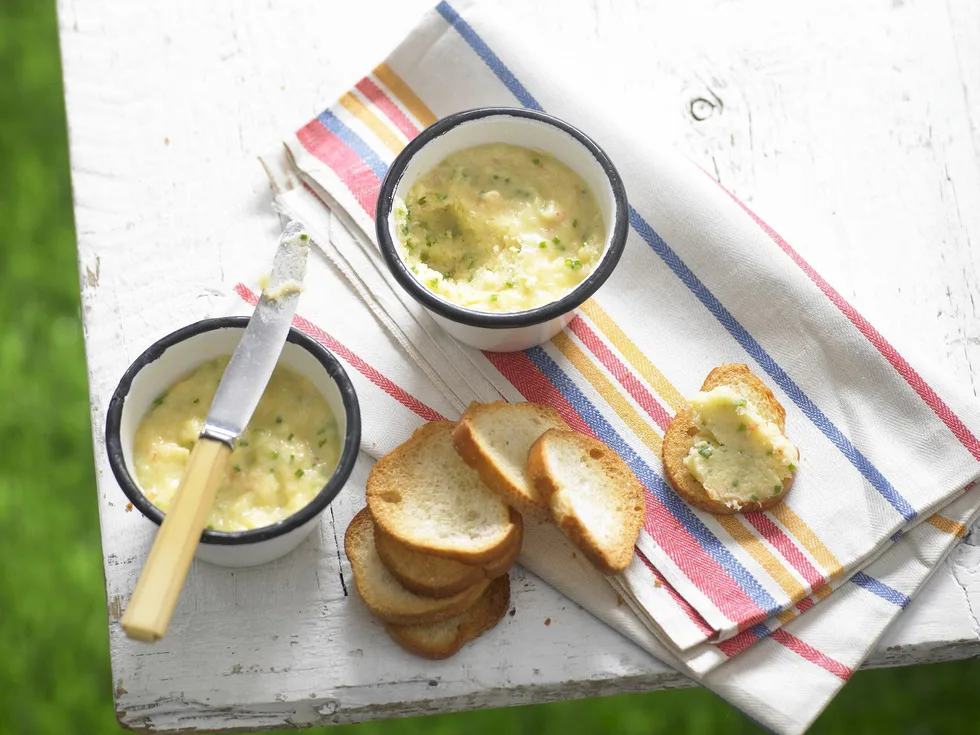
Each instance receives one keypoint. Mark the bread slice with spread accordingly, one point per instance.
(727, 451)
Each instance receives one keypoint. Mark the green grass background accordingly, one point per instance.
(54, 658)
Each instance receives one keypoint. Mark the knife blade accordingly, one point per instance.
(253, 361)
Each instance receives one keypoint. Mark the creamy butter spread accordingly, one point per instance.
(499, 227)
(288, 451)
(738, 455)
(283, 289)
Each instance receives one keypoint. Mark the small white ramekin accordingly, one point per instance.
(175, 356)
(504, 331)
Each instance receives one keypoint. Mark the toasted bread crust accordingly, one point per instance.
(359, 545)
(608, 561)
(430, 576)
(470, 448)
(470, 624)
(680, 434)
(433, 576)
(384, 480)
(501, 566)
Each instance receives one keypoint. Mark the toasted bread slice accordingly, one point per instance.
(441, 640)
(682, 432)
(495, 438)
(381, 592)
(433, 576)
(427, 497)
(594, 497)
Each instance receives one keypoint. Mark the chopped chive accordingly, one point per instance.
(735, 483)
(442, 197)
(776, 489)
(742, 427)
(769, 453)
(706, 451)
(275, 455)
(278, 419)
(209, 527)
(292, 457)
(433, 282)
(574, 223)
(542, 244)
(792, 467)
(573, 263)
(556, 241)
(304, 237)
(300, 473)
(237, 468)
(321, 442)
(197, 400)
(493, 297)
(754, 498)
(290, 437)
(507, 180)
(740, 402)
(421, 201)
(159, 399)
(242, 443)
(509, 284)
(536, 161)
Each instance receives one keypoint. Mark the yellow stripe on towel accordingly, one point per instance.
(765, 558)
(811, 542)
(604, 388)
(640, 362)
(946, 525)
(359, 110)
(405, 95)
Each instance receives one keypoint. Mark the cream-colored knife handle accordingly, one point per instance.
(158, 588)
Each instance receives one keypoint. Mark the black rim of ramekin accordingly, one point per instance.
(352, 437)
(499, 320)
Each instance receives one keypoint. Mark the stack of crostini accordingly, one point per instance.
(445, 515)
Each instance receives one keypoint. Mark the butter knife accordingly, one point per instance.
(245, 379)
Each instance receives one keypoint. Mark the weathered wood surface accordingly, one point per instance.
(851, 127)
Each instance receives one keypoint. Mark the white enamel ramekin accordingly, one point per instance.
(504, 331)
(175, 356)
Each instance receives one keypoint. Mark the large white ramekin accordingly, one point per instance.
(510, 331)
(177, 354)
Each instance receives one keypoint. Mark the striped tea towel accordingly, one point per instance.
(782, 678)
(702, 282)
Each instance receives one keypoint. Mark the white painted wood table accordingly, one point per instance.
(851, 127)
